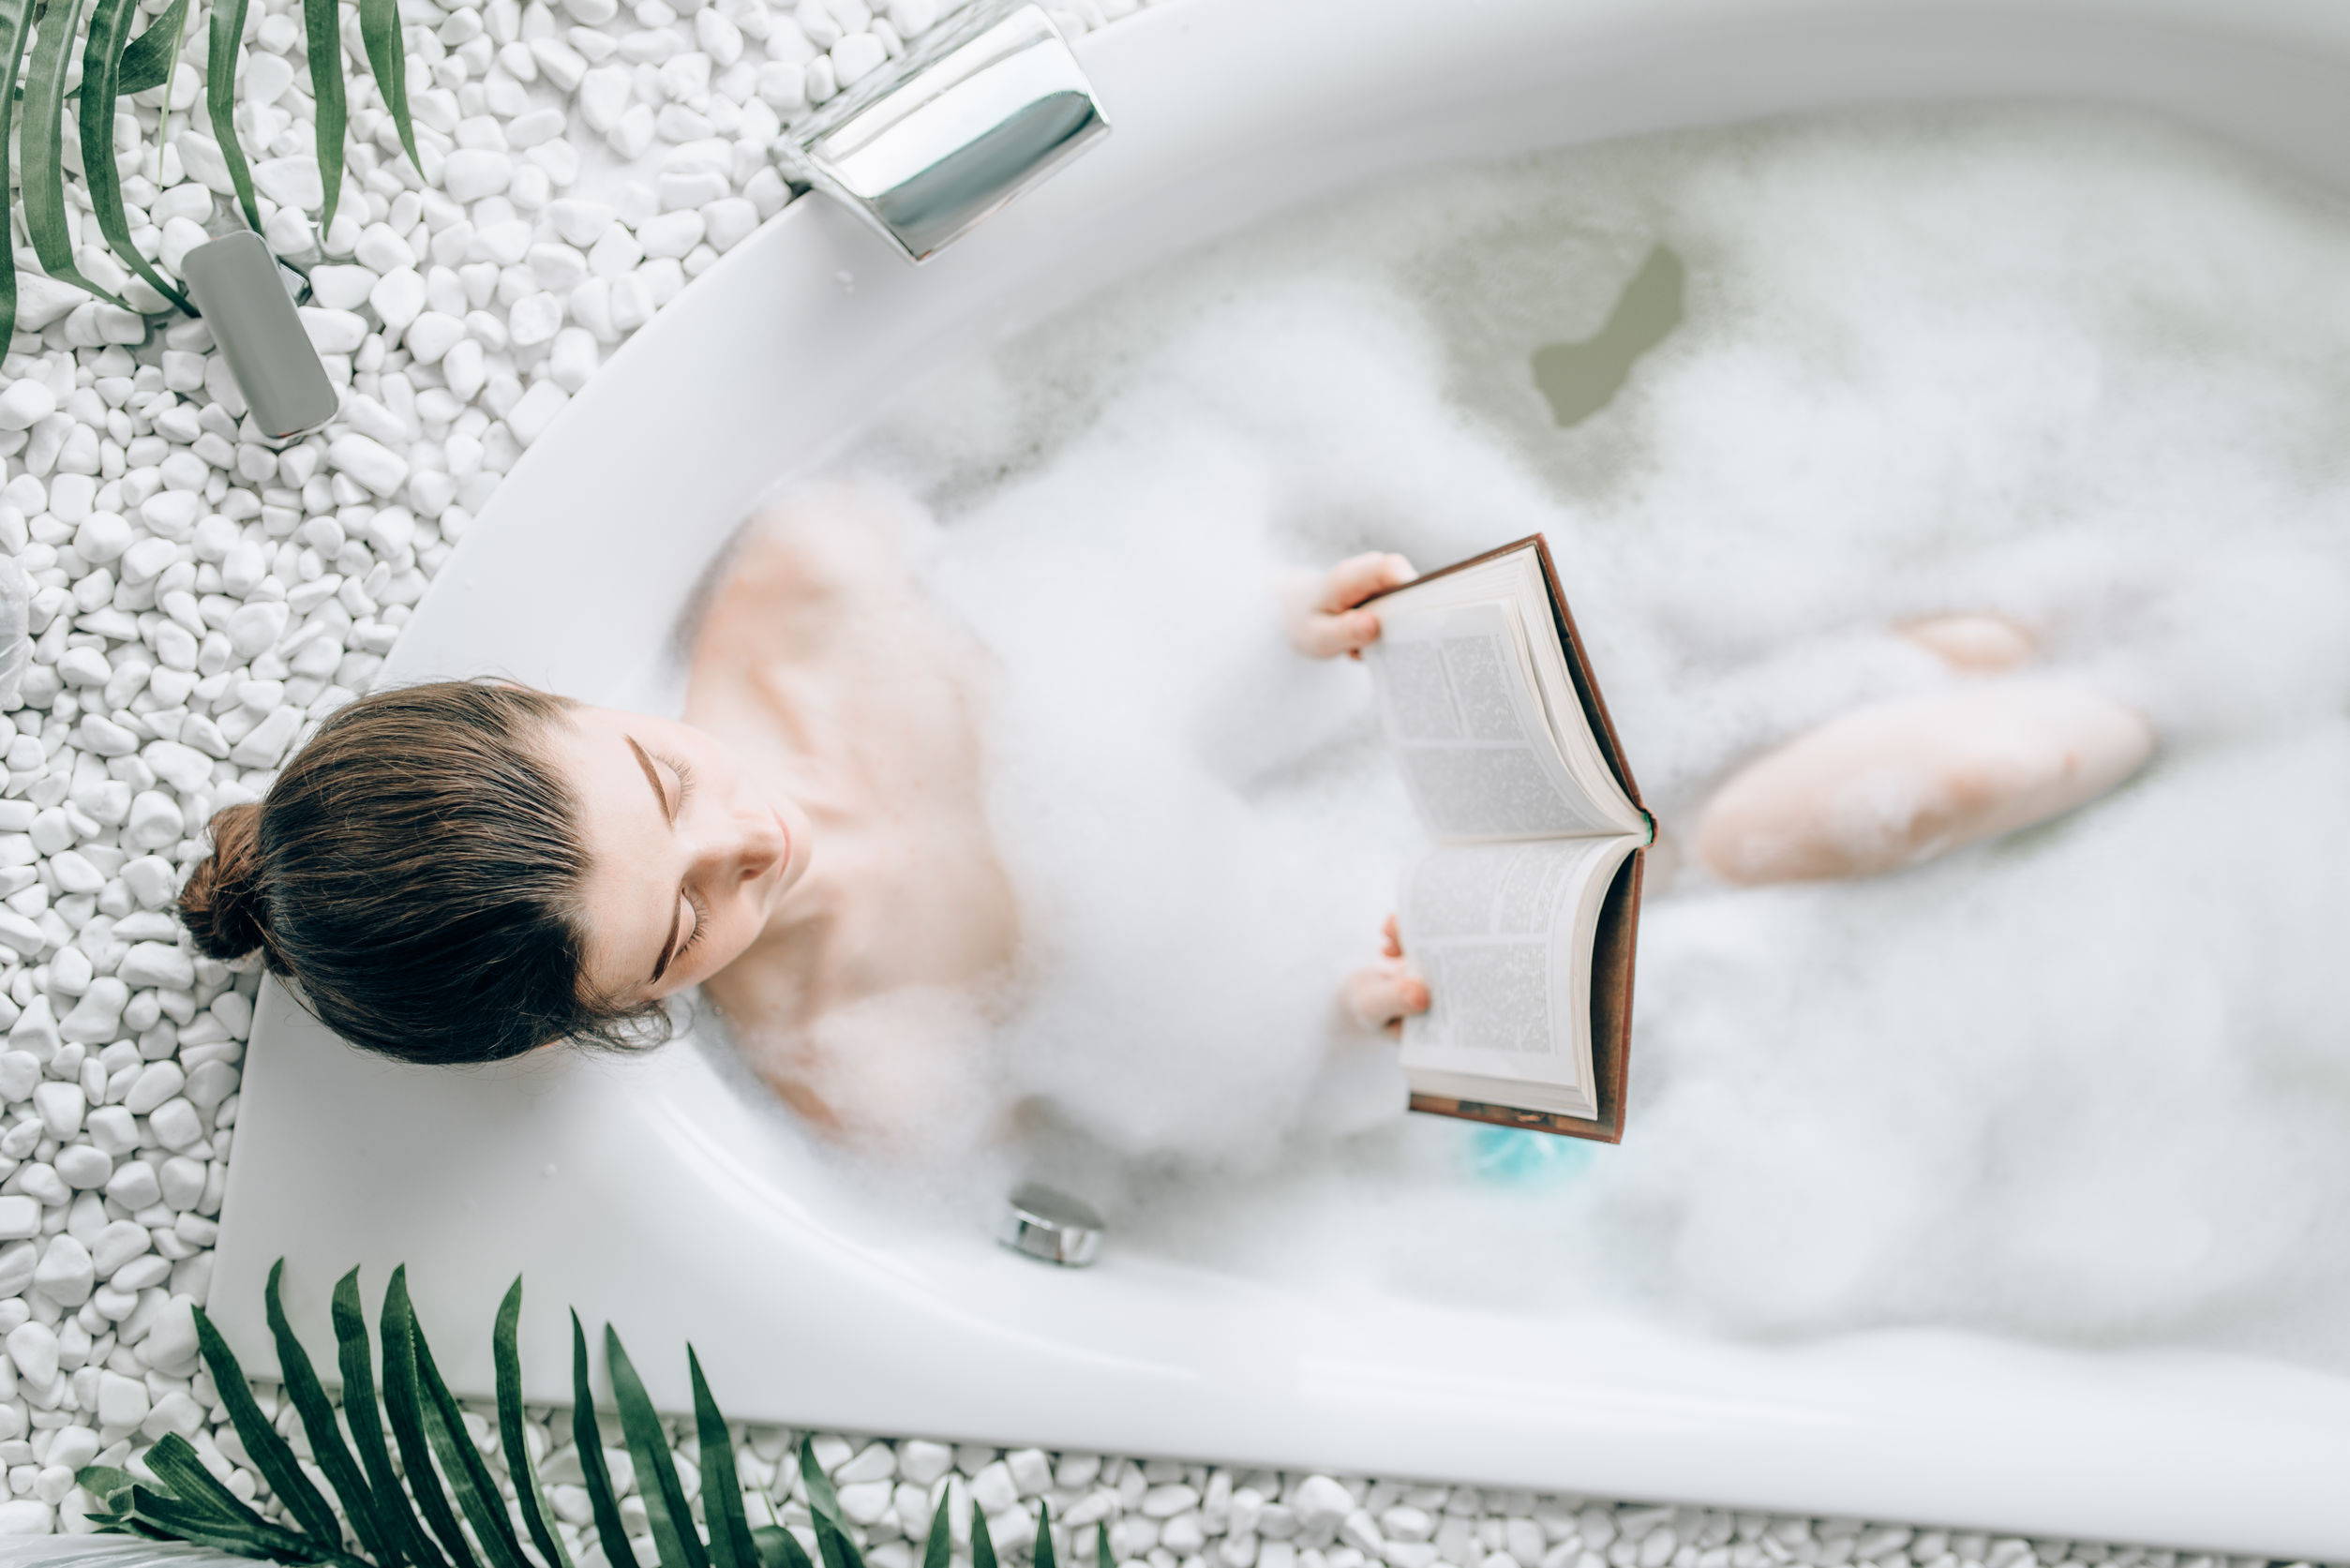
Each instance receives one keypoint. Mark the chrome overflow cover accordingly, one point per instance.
(1044, 1222)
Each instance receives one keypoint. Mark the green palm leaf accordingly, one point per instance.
(175, 1464)
(821, 1498)
(147, 62)
(730, 1543)
(104, 1483)
(102, 73)
(321, 23)
(402, 1405)
(379, 30)
(367, 1427)
(318, 1423)
(506, 1353)
(588, 1438)
(780, 1548)
(939, 1548)
(982, 1545)
(833, 1545)
(40, 151)
(16, 26)
(461, 1462)
(665, 1513)
(1102, 1559)
(227, 34)
(1045, 1535)
(271, 1454)
(259, 1538)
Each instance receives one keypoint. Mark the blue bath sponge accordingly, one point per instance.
(1513, 1157)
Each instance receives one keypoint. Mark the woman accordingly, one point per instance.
(466, 870)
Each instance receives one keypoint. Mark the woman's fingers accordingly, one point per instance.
(1326, 637)
(1325, 619)
(1391, 940)
(1384, 996)
(1358, 577)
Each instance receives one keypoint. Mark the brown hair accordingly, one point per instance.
(416, 871)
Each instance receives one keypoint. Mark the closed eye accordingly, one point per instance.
(685, 770)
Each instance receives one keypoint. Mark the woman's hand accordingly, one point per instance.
(1323, 620)
(1383, 996)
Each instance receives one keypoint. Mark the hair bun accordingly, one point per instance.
(221, 904)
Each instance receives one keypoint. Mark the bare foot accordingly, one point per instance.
(1980, 644)
(1898, 782)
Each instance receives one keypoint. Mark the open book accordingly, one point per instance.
(1522, 918)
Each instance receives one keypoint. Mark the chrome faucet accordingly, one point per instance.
(978, 111)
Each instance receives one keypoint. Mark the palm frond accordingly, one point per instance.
(730, 1543)
(148, 60)
(821, 1498)
(666, 1515)
(466, 1520)
(322, 25)
(461, 1462)
(16, 27)
(366, 1426)
(404, 1408)
(228, 39)
(506, 1353)
(271, 1454)
(589, 1439)
(41, 152)
(326, 1437)
(379, 30)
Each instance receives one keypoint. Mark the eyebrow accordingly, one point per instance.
(668, 944)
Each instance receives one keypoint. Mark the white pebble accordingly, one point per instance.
(64, 1273)
(183, 1179)
(922, 1461)
(368, 462)
(26, 402)
(134, 1186)
(33, 1347)
(398, 298)
(257, 625)
(342, 288)
(176, 1125)
(19, 1070)
(122, 1401)
(60, 1107)
(470, 173)
(670, 235)
(83, 1166)
(529, 418)
(157, 1083)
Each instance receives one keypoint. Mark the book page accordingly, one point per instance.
(1459, 701)
(1503, 932)
(1514, 581)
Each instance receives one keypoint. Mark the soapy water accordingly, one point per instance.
(2089, 1082)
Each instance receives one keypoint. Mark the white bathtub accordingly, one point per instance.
(645, 1192)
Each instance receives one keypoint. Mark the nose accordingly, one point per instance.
(762, 843)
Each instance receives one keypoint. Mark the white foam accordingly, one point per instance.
(2080, 370)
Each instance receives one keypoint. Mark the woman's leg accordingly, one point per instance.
(1898, 782)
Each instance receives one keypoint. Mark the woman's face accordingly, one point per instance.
(687, 853)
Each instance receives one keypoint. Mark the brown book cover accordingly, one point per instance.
(1612, 948)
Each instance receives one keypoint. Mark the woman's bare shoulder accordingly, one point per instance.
(798, 570)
